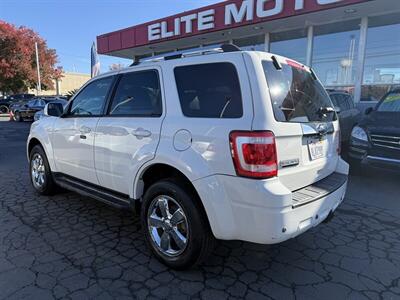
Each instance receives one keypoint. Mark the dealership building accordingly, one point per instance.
(352, 45)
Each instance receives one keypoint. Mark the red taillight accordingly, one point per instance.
(254, 153)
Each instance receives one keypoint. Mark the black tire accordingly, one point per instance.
(200, 241)
(4, 109)
(48, 187)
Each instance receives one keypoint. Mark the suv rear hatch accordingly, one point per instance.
(304, 122)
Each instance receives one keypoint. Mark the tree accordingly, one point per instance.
(18, 60)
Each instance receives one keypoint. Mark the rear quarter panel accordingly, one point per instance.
(208, 150)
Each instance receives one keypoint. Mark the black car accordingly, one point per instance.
(7, 101)
(376, 139)
(348, 114)
(26, 110)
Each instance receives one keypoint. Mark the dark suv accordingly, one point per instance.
(376, 139)
(348, 114)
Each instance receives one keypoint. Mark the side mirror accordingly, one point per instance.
(369, 110)
(337, 109)
(53, 109)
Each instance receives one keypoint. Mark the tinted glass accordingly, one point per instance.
(335, 99)
(209, 91)
(350, 102)
(31, 103)
(138, 94)
(296, 96)
(342, 102)
(90, 101)
(41, 102)
(391, 103)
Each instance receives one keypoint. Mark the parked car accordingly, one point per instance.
(4, 104)
(375, 140)
(348, 114)
(239, 145)
(7, 101)
(40, 114)
(23, 111)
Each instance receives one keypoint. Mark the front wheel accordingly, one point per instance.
(40, 173)
(174, 225)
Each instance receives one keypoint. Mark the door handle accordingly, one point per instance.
(141, 133)
(85, 130)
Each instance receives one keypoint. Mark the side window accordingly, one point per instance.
(334, 98)
(41, 102)
(138, 94)
(209, 90)
(90, 101)
(350, 101)
(342, 102)
(31, 103)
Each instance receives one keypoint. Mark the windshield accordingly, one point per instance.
(391, 103)
(296, 95)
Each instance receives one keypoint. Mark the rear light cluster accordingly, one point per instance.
(254, 153)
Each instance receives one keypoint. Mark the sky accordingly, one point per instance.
(71, 26)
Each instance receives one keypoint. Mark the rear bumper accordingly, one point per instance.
(263, 211)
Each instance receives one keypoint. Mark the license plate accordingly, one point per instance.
(316, 149)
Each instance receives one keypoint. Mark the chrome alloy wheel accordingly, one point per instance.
(168, 226)
(38, 171)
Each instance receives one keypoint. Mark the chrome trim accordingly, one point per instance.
(38, 171)
(383, 141)
(168, 226)
(308, 129)
(385, 146)
(383, 159)
(317, 128)
(385, 136)
(361, 151)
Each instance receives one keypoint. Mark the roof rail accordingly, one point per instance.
(230, 47)
(183, 53)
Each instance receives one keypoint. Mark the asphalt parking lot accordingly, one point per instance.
(68, 246)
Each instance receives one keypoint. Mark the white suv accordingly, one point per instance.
(226, 144)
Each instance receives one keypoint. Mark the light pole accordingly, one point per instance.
(39, 86)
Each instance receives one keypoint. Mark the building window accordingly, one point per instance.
(335, 54)
(251, 43)
(382, 57)
(291, 44)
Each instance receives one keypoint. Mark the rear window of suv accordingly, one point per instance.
(296, 95)
(209, 90)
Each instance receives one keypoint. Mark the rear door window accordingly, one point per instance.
(296, 95)
(209, 90)
(138, 94)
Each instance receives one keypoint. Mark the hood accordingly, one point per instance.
(382, 122)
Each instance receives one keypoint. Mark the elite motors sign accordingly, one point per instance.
(234, 14)
(221, 16)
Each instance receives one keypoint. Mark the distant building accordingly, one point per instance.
(70, 81)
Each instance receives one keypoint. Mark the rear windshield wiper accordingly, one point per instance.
(326, 110)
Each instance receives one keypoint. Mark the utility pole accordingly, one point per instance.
(39, 86)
